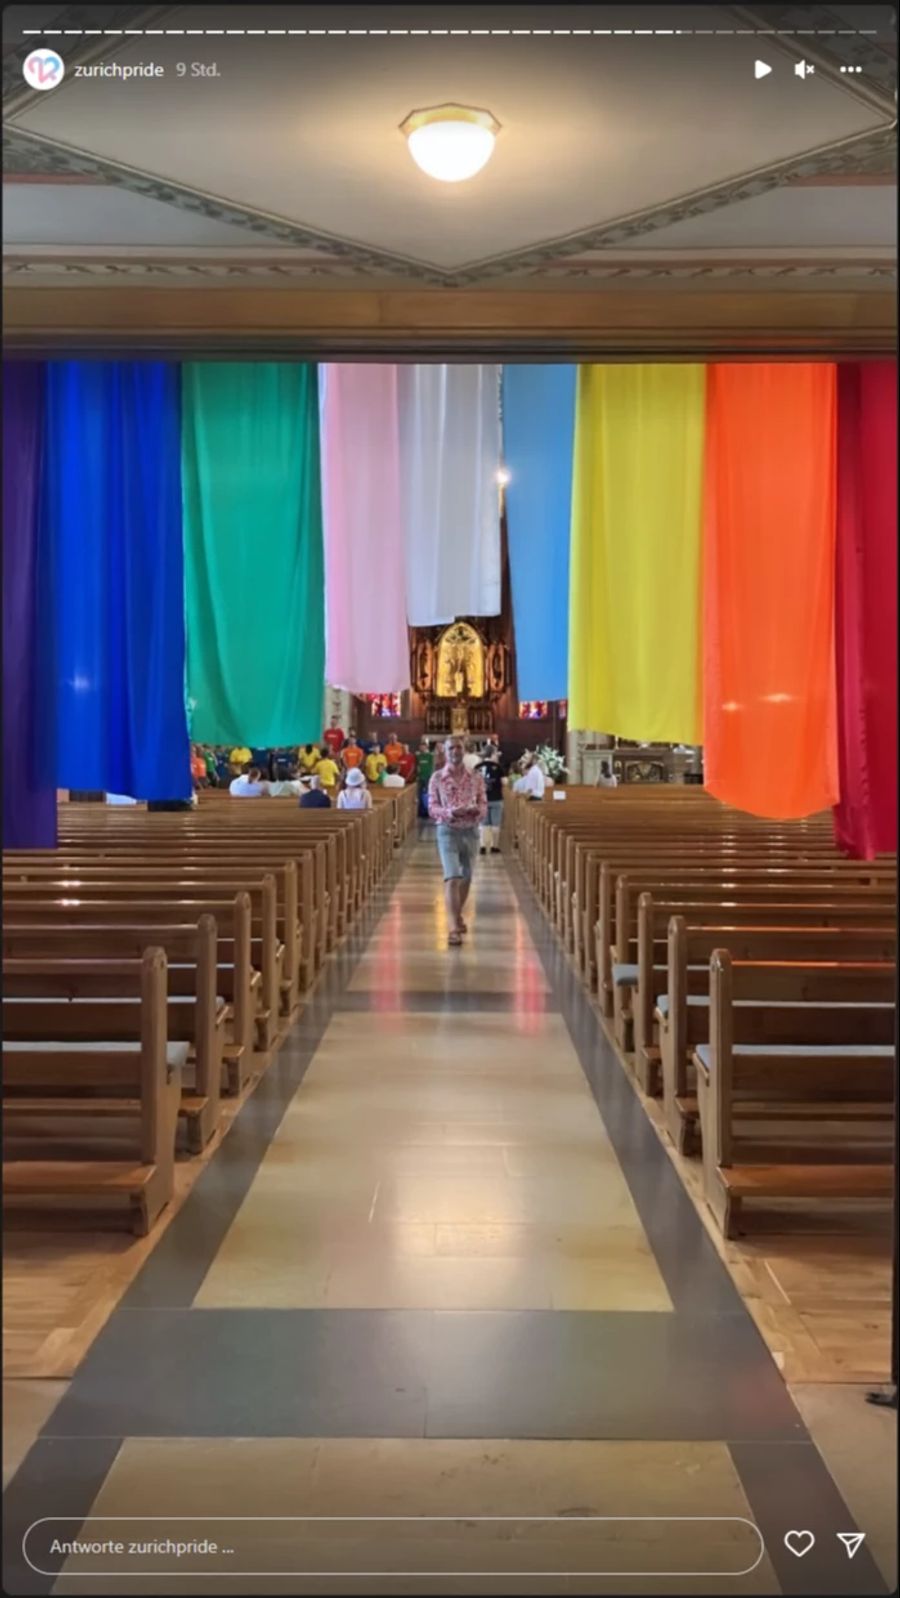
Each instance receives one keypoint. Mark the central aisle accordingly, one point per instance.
(440, 1267)
(443, 1151)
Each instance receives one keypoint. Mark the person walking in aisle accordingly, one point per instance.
(457, 803)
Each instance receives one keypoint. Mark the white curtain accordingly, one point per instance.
(450, 452)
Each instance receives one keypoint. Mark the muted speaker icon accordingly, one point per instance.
(803, 69)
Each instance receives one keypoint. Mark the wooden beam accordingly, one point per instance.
(437, 323)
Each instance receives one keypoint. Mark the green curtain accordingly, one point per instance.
(254, 574)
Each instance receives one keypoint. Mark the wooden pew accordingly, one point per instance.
(828, 1072)
(775, 903)
(32, 930)
(681, 1002)
(94, 968)
(77, 1089)
(174, 873)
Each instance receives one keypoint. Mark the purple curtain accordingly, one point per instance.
(29, 792)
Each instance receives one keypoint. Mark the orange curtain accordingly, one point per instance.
(770, 739)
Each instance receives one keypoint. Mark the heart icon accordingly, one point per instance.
(799, 1542)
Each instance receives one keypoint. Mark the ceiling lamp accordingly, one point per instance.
(450, 142)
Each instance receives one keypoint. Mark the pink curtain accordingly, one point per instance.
(366, 639)
(865, 817)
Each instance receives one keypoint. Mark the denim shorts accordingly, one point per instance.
(495, 812)
(457, 847)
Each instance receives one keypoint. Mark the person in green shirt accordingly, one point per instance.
(424, 770)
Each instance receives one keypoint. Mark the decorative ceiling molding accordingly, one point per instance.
(848, 155)
(17, 96)
(33, 270)
(26, 154)
(34, 153)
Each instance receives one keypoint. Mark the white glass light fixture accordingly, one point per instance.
(450, 142)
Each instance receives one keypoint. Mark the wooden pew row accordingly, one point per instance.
(777, 904)
(173, 877)
(96, 985)
(133, 1084)
(31, 928)
(681, 1004)
(789, 1118)
(596, 894)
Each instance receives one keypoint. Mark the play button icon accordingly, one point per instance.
(761, 69)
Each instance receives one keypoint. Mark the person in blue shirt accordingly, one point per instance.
(315, 798)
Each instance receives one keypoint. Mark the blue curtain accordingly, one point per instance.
(112, 509)
(538, 436)
(29, 778)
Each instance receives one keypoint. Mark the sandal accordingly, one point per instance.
(454, 940)
(461, 925)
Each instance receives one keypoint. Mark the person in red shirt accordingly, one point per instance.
(333, 738)
(406, 765)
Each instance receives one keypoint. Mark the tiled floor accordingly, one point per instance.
(441, 1266)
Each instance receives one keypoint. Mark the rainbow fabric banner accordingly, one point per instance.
(634, 620)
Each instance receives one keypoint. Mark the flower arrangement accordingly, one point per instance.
(550, 760)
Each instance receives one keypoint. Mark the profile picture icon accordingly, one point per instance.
(43, 69)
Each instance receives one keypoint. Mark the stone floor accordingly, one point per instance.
(439, 1316)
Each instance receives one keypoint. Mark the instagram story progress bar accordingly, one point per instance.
(406, 1545)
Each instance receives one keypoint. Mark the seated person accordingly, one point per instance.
(327, 772)
(392, 778)
(354, 795)
(375, 763)
(351, 754)
(249, 785)
(315, 797)
(310, 755)
(532, 782)
(286, 784)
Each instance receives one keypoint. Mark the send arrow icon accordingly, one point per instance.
(852, 1541)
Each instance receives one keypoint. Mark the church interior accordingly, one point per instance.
(480, 423)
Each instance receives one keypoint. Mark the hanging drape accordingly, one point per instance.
(367, 643)
(253, 552)
(769, 681)
(866, 608)
(29, 780)
(113, 515)
(450, 499)
(636, 552)
(538, 426)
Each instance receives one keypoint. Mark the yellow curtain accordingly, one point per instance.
(634, 586)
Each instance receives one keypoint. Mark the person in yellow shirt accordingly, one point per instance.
(239, 758)
(375, 763)
(327, 772)
(309, 757)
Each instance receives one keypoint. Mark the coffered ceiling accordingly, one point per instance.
(623, 156)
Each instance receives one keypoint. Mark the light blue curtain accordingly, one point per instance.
(112, 523)
(538, 435)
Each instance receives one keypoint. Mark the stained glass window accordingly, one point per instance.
(533, 710)
(387, 705)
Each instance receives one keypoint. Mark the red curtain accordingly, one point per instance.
(865, 819)
(769, 679)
